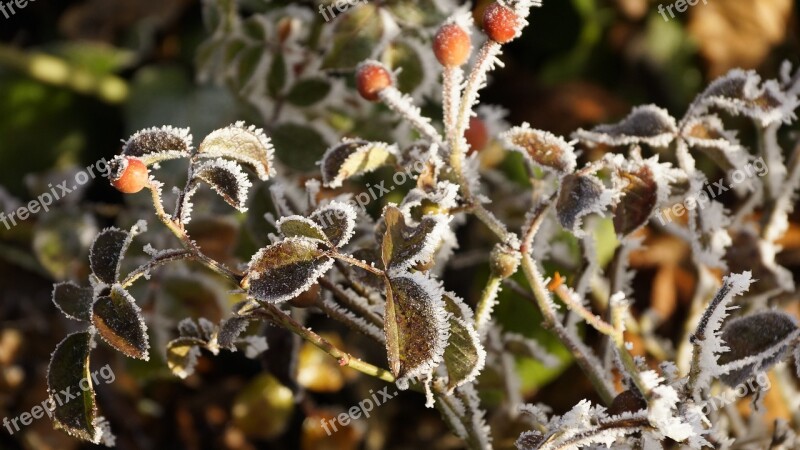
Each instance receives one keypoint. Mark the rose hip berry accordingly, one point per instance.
(371, 79)
(452, 45)
(129, 175)
(500, 23)
(477, 135)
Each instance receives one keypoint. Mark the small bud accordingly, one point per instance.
(128, 174)
(504, 261)
(371, 78)
(452, 45)
(477, 135)
(500, 23)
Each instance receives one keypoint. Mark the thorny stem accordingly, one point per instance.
(395, 100)
(357, 263)
(275, 314)
(161, 259)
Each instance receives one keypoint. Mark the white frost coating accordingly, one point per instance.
(182, 134)
(119, 290)
(567, 160)
(361, 152)
(235, 195)
(452, 417)
(646, 124)
(707, 336)
(783, 275)
(295, 218)
(188, 207)
(438, 317)
(726, 143)
(404, 106)
(339, 215)
(430, 244)
(714, 221)
(662, 414)
(254, 346)
(246, 144)
(604, 198)
(125, 244)
(477, 416)
(445, 195)
(278, 193)
(335, 311)
(313, 187)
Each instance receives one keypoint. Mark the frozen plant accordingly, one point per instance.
(381, 275)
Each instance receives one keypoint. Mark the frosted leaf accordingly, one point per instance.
(755, 343)
(580, 195)
(541, 148)
(119, 322)
(284, 270)
(647, 124)
(299, 226)
(338, 221)
(529, 440)
(708, 134)
(188, 328)
(106, 252)
(523, 346)
(229, 331)
(405, 246)
(444, 196)
(355, 157)
(182, 355)
(638, 200)
(248, 145)
(464, 356)
(227, 179)
(74, 301)
(154, 145)
(741, 92)
(416, 325)
(69, 364)
(706, 338)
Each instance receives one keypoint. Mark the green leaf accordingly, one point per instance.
(74, 301)
(182, 355)
(276, 78)
(120, 323)
(299, 226)
(309, 92)
(299, 146)
(247, 65)
(105, 255)
(351, 158)
(403, 245)
(464, 356)
(401, 55)
(355, 36)
(69, 367)
(284, 270)
(245, 144)
(416, 325)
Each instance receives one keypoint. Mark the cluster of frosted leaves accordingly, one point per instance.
(226, 178)
(182, 352)
(113, 314)
(741, 92)
(707, 134)
(579, 195)
(405, 245)
(355, 157)
(443, 196)
(707, 338)
(284, 270)
(755, 342)
(245, 144)
(642, 185)
(154, 145)
(333, 224)
(541, 148)
(647, 124)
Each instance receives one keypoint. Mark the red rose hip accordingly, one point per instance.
(452, 45)
(128, 175)
(371, 78)
(477, 135)
(500, 23)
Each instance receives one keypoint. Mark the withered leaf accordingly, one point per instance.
(404, 246)
(338, 222)
(299, 226)
(464, 356)
(638, 200)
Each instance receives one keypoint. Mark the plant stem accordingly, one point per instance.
(487, 302)
(357, 263)
(345, 359)
(166, 257)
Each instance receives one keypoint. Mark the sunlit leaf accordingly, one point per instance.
(756, 342)
(338, 221)
(464, 356)
(646, 124)
(351, 158)
(105, 255)
(708, 134)
(154, 145)
(182, 355)
(299, 226)
(416, 325)
(74, 301)
(403, 245)
(282, 271)
(248, 145)
(69, 366)
(119, 322)
(541, 148)
(638, 200)
(263, 409)
(226, 178)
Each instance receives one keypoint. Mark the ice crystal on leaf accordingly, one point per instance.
(541, 148)
(227, 179)
(580, 195)
(119, 322)
(74, 301)
(646, 124)
(353, 157)
(403, 245)
(154, 145)
(246, 144)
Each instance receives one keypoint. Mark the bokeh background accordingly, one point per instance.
(76, 77)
